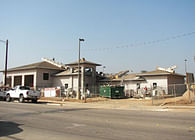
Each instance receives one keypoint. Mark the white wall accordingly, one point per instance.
(38, 77)
(162, 82)
(72, 81)
(45, 83)
(130, 85)
(22, 73)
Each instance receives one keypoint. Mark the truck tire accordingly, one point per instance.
(34, 100)
(21, 98)
(8, 98)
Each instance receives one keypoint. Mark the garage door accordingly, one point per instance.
(28, 80)
(17, 80)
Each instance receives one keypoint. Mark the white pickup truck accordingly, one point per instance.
(22, 93)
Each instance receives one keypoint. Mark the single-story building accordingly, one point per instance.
(49, 73)
(160, 80)
(36, 75)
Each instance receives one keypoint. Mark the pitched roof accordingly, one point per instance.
(158, 73)
(83, 61)
(65, 73)
(128, 77)
(39, 65)
(133, 77)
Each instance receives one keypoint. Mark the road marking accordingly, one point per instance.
(53, 104)
(191, 129)
(161, 110)
(74, 125)
(157, 125)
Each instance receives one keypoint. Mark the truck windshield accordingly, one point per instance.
(24, 88)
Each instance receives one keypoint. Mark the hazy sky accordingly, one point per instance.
(117, 33)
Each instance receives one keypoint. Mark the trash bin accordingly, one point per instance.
(112, 92)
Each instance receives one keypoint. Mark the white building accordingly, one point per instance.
(36, 75)
(49, 73)
(69, 77)
(163, 81)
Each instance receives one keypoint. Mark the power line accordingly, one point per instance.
(2, 41)
(144, 43)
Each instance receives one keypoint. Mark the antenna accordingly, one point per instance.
(170, 69)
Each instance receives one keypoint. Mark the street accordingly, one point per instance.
(26, 121)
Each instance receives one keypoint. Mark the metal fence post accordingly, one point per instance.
(174, 93)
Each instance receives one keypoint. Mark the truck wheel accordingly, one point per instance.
(21, 98)
(34, 100)
(8, 99)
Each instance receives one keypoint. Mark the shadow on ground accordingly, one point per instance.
(8, 128)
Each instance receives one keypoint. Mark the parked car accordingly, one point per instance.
(2, 95)
(3, 92)
(22, 93)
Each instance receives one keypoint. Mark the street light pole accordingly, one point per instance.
(79, 79)
(6, 58)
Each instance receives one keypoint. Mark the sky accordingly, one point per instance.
(130, 35)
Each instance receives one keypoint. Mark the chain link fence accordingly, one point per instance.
(158, 96)
(173, 94)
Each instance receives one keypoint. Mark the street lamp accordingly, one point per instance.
(103, 68)
(79, 79)
(6, 57)
(185, 65)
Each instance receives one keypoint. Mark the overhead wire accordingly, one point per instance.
(143, 43)
(2, 41)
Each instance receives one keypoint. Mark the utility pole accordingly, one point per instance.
(6, 58)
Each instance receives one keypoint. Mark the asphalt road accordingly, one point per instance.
(44, 122)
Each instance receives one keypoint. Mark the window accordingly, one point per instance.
(17, 80)
(138, 85)
(66, 86)
(24, 88)
(87, 86)
(45, 76)
(154, 85)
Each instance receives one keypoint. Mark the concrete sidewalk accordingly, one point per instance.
(121, 104)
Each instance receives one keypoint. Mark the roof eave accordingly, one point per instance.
(83, 63)
(11, 70)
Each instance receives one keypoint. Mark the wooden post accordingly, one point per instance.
(6, 58)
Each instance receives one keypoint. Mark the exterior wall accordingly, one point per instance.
(89, 78)
(162, 83)
(45, 83)
(60, 81)
(72, 82)
(175, 80)
(22, 73)
(131, 85)
(160, 80)
(38, 81)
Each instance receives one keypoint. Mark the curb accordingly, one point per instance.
(180, 107)
(110, 106)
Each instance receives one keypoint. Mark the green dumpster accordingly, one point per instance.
(112, 91)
